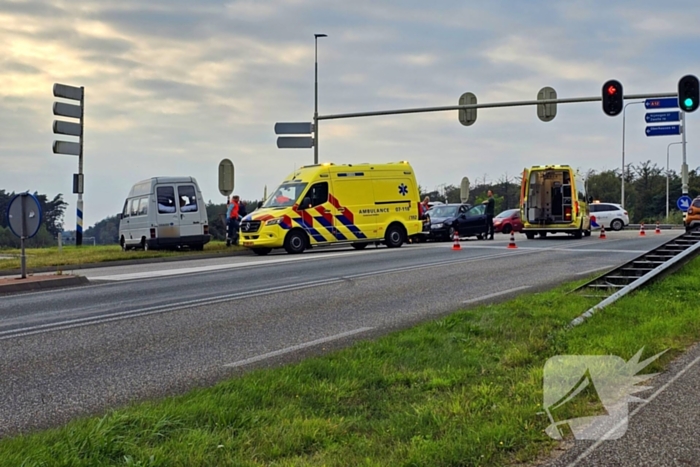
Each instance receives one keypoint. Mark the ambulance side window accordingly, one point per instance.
(318, 193)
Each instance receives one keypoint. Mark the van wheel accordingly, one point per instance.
(261, 251)
(530, 235)
(144, 244)
(198, 247)
(394, 237)
(543, 234)
(295, 242)
(122, 242)
(360, 246)
(616, 225)
(578, 234)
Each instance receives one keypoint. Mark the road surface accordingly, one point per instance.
(155, 329)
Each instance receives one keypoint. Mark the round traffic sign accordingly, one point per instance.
(683, 202)
(24, 215)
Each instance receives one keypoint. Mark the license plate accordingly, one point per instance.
(247, 243)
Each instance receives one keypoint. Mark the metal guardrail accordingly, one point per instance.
(642, 280)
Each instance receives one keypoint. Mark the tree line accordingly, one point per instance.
(645, 201)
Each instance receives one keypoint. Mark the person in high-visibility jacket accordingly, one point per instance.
(235, 212)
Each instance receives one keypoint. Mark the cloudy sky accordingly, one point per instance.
(174, 86)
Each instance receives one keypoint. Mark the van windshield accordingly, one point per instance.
(286, 195)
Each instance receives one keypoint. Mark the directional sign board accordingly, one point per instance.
(683, 202)
(226, 177)
(294, 128)
(66, 110)
(660, 117)
(295, 142)
(67, 128)
(663, 130)
(67, 92)
(665, 103)
(65, 147)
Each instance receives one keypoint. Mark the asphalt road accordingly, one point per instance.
(150, 330)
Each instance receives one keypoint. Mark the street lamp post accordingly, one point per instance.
(667, 173)
(622, 190)
(316, 36)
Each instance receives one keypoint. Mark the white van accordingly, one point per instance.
(164, 212)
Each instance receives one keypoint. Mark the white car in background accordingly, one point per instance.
(611, 215)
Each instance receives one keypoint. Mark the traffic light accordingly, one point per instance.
(688, 91)
(612, 97)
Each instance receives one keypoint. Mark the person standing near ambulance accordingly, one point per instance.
(235, 212)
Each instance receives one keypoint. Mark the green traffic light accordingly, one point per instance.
(688, 103)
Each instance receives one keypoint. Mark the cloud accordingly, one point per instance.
(172, 87)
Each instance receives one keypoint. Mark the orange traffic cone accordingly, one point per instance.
(456, 245)
(641, 230)
(658, 229)
(602, 232)
(512, 240)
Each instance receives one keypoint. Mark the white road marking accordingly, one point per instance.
(497, 294)
(219, 267)
(619, 425)
(591, 271)
(293, 348)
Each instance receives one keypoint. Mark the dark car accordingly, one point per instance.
(467, 220)
(508, 221)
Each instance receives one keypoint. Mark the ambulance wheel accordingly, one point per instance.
(530, 235)
(261, 251)
(394, 237)
(295, 242)
(360, 246)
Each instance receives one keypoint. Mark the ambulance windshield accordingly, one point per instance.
(286, 195)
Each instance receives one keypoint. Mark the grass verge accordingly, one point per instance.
(464, 390)
(72, 255)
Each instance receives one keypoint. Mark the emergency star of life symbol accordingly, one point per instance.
(573, 382)
(403, 189)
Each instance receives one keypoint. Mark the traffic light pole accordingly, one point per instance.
(684, 167)
(488, 106)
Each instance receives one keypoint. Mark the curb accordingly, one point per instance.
(127, 262)
(60, 281)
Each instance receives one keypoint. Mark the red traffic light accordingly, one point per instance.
(612, 97)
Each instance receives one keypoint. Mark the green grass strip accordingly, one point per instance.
(460, 391)
(72, 255)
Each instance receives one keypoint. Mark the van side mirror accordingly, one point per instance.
(260, 204)
(590, 199)
(121, 215)
(306, 203)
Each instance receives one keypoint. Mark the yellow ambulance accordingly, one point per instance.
(553, 199)
(326, 204)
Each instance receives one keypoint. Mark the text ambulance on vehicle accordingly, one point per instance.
(327, 204)
(553, 199)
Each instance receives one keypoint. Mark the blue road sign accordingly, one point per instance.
(684, 202)
(665, 103)
(659, 117)
(663, 130)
